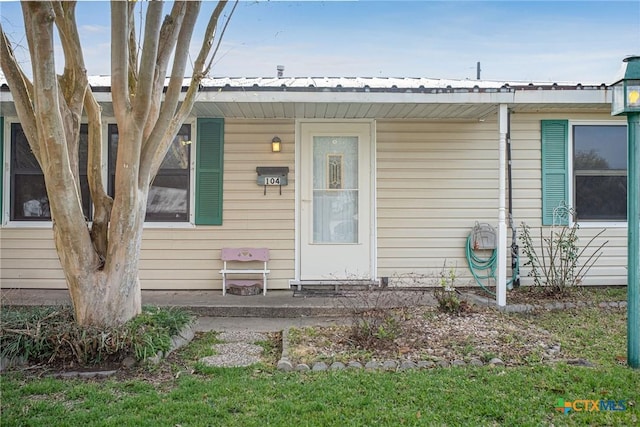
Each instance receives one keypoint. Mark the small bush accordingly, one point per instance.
(446, 294)
(49, 335)
(561, 264)
(376, 315)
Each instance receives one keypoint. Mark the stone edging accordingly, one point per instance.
(184, 337)
(527, 308)
(285, 364)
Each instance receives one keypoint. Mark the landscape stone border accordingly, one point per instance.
(285, 364)
(528, 308)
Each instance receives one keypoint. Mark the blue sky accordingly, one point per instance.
(577, 41)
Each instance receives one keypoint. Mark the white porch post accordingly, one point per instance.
(501, 285)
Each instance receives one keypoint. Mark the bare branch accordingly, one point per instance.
(166, 127)
(207, 44)
(142, 101)
(21, 91)
(101, 201)
(119, 59)
(133, 50)
(199, 66)
(171, 27)
(73, 82)
(69, 228)
(224, 29)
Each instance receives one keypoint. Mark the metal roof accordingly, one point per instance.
(371, 97)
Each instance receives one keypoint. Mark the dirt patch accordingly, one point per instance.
(426, 334)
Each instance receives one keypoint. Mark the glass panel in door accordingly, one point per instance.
(335, 189)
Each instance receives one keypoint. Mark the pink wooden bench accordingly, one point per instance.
(244, 262)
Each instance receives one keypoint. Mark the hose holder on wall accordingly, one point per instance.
(483, 237)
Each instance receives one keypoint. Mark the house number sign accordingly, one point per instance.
(272, 176)
(272, 180)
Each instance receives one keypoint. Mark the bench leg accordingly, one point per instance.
(264, 284)
(224, 284)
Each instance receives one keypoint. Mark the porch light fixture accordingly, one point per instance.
(276, 144)
(626, 89)
(626, 100)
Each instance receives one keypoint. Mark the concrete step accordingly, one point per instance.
(275, 304)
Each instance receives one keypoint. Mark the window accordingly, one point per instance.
(28, 195)
(599, 171)
(171, 192)
(168, 199)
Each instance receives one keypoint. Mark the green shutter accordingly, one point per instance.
(209, 166)
(555, 140)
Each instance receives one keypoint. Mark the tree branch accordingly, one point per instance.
(73, 82)
(166, 127)
(143, 96)
(133, 50)
(21, 91)
(224, 29)
(119, 60)
(199, 71)
(101, 201)
(69, 228)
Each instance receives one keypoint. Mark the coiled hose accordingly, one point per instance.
(485, 268)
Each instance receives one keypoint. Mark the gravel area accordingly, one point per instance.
(238, 349)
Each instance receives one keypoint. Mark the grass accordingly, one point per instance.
(260, 395)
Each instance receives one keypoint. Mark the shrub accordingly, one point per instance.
(376, 315)
(49, 335)
(446, 294)
(561, 264)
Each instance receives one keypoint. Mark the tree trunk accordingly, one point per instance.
(107, 296)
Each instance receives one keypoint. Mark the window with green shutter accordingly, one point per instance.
(209, 169)
(598, 175)
(555, 140)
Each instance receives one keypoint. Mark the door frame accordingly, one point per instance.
(373, 232)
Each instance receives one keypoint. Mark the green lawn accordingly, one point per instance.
(260, 395)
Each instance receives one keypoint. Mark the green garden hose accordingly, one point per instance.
(483, 269)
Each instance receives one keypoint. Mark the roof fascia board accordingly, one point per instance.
(516, 97)
(598, 96)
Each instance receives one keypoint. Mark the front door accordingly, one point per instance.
(335, 201)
